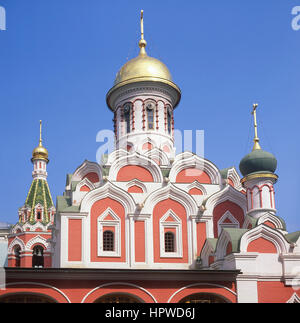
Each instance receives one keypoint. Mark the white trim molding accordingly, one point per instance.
(116, 223)
(164, 225)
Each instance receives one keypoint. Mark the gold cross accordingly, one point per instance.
(256, 139)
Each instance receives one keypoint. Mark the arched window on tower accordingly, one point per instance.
(150, 115)
(108, 241)
(17, 252)
(38, 257)
(169, 242)
(169, 115)
(127, 114)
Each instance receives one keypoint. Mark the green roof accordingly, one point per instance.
(224, 172)
(62, 202)
(293, 237)
(258, 161)
(213, 242)
(235, 237)
(39, 193)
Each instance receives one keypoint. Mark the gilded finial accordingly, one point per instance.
(40, 142)
(40, 152)
(142, 42)
(256, 139)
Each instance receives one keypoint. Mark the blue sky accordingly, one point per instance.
(59, 58)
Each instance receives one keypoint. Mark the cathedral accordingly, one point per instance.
(147, 225)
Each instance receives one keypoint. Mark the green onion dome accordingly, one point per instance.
(258, 161)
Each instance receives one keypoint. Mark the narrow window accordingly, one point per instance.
(39, 215)
(127, 112)
(169, 242)
(169, 121)
(150, 116)
(108, 241)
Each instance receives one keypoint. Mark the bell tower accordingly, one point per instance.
(28, 244)
(143, 100)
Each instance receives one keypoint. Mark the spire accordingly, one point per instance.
(142, 42)
(40, 143)
(256, 139)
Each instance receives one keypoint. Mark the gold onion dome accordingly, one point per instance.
(40, 152)
(144, 68)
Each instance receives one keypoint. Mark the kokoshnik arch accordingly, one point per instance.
(148, 225)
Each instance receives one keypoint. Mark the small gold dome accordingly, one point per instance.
(40, 152)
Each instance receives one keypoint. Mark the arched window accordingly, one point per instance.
(204, 298)
(26, 298)
(38, 257)
(118, 298)
(169, 115)
(127, 113)
(169, 242)
(17, 252)
(150, 115)
(108, 241)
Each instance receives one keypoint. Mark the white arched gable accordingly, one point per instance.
(221, 248)
(138, 183)
(85, 168)
(85, 182)
(16, 227)
(171, 192)
(144, 141)
(137, 160)
(108, 191)
(198, 186)
(158, 154)
(37, 240)
(34, 227)
(234, 223)
(271, 218)
(115, 155)
(206, 252)
(235, 177)
(189, 160)
(267, 233)
(16, 242)
(229, 193)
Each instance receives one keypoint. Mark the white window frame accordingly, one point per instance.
(116, 223)
(163, 227)
(234, 222)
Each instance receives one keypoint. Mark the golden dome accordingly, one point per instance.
(143, 68)
(40, 152)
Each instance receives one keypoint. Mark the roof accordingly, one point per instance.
(235, 237)
(39, 193)
(293, 237)
(224, 172)
(4, 226)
